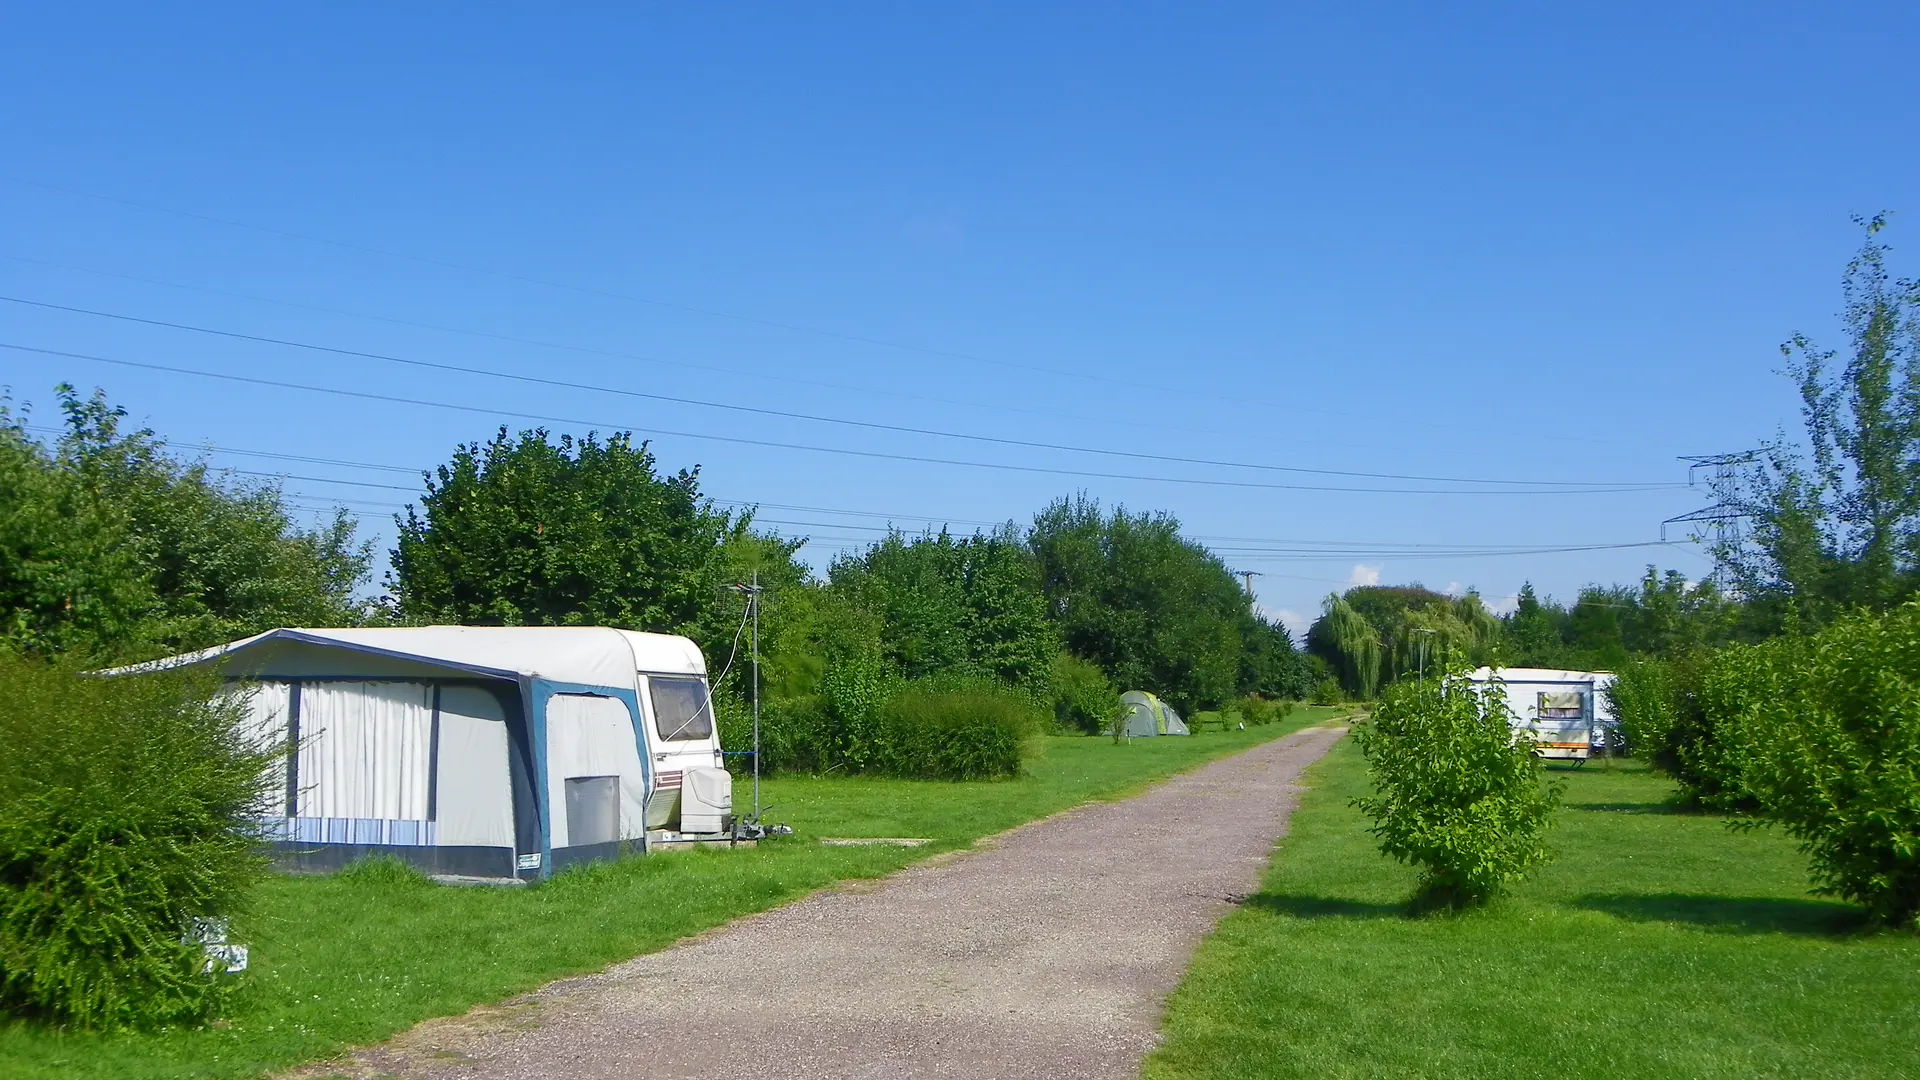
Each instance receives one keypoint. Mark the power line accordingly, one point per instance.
(1254, 549)
(875, 454)
(526, 279)
(1026, 444)
(583, 349)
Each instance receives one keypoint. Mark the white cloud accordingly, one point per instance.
(1364, 575)
(1295, 622)
(1452, 589)
(1506, 605)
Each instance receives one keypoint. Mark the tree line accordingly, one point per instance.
(117, 548)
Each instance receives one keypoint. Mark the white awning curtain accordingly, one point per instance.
(365, 749)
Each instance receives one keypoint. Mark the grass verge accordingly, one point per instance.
(351, 959)
(1657, 944)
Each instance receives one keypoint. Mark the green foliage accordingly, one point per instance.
(1377, 634)
(1680, 715)
(1454, 792)
(1270, 665)
(868, 720)
(526, 532)
(114, 548)
(1156, 611)
(962, 732)
(1327, 692)
(957, 607)
(127, 809)
(1258, 711)
(1085, 701)
(1349, 645)
(1607, 626)
(1837, 526)
(1832, 752)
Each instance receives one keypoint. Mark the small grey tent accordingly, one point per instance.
(1148, 715)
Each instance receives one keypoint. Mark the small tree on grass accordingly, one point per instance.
(1454, 791)
(127, 810)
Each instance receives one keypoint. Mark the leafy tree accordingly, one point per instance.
(1270, 666)
(1376, 634)
(1348, 644)
(955, 606)
(114, 547)
(1533, 631)
(1156, 611)
(1454, 792)
(528, 532)
(1837, 524)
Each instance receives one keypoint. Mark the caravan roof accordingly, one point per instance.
(1536, 675)
(590, 655)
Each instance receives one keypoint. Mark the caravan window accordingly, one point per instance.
(1561, 705)
(680, 708)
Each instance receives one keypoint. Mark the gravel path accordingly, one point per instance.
(1044, 952)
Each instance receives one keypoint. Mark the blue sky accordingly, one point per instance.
(1496, 242)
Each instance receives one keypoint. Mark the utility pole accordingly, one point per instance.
(753, 605)
(1248, 576)
(752, 593)
(1725, 520)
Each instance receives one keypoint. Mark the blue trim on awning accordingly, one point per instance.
(541, 692)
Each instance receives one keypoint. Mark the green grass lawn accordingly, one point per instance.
(1657, 944)
(349, 960)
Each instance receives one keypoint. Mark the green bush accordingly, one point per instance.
(127, 810)
(1679, 717)
(1328, 692)
(1084, 699)
(1454, 791)
(976, 732)
(1258, 711)
(939, 729)
(1832, 752)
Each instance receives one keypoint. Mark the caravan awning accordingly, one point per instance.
(586, 655)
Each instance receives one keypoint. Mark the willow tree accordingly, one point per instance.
(1349, 644)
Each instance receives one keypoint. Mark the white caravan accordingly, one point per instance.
(480, 751)
(1566, 713)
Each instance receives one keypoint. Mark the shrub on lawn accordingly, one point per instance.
(1680, 715)
(1328, 692)
(1833, 753)
(1258, 711)
(960, 732)
(946, 729)
(1454, 792)
(1084, 699)
(127, 810)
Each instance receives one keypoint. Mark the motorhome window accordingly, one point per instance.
(680, 710)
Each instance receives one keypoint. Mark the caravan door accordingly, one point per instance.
(682, 735)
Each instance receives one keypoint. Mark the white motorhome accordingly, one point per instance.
(1566, 713)
(490, 752)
